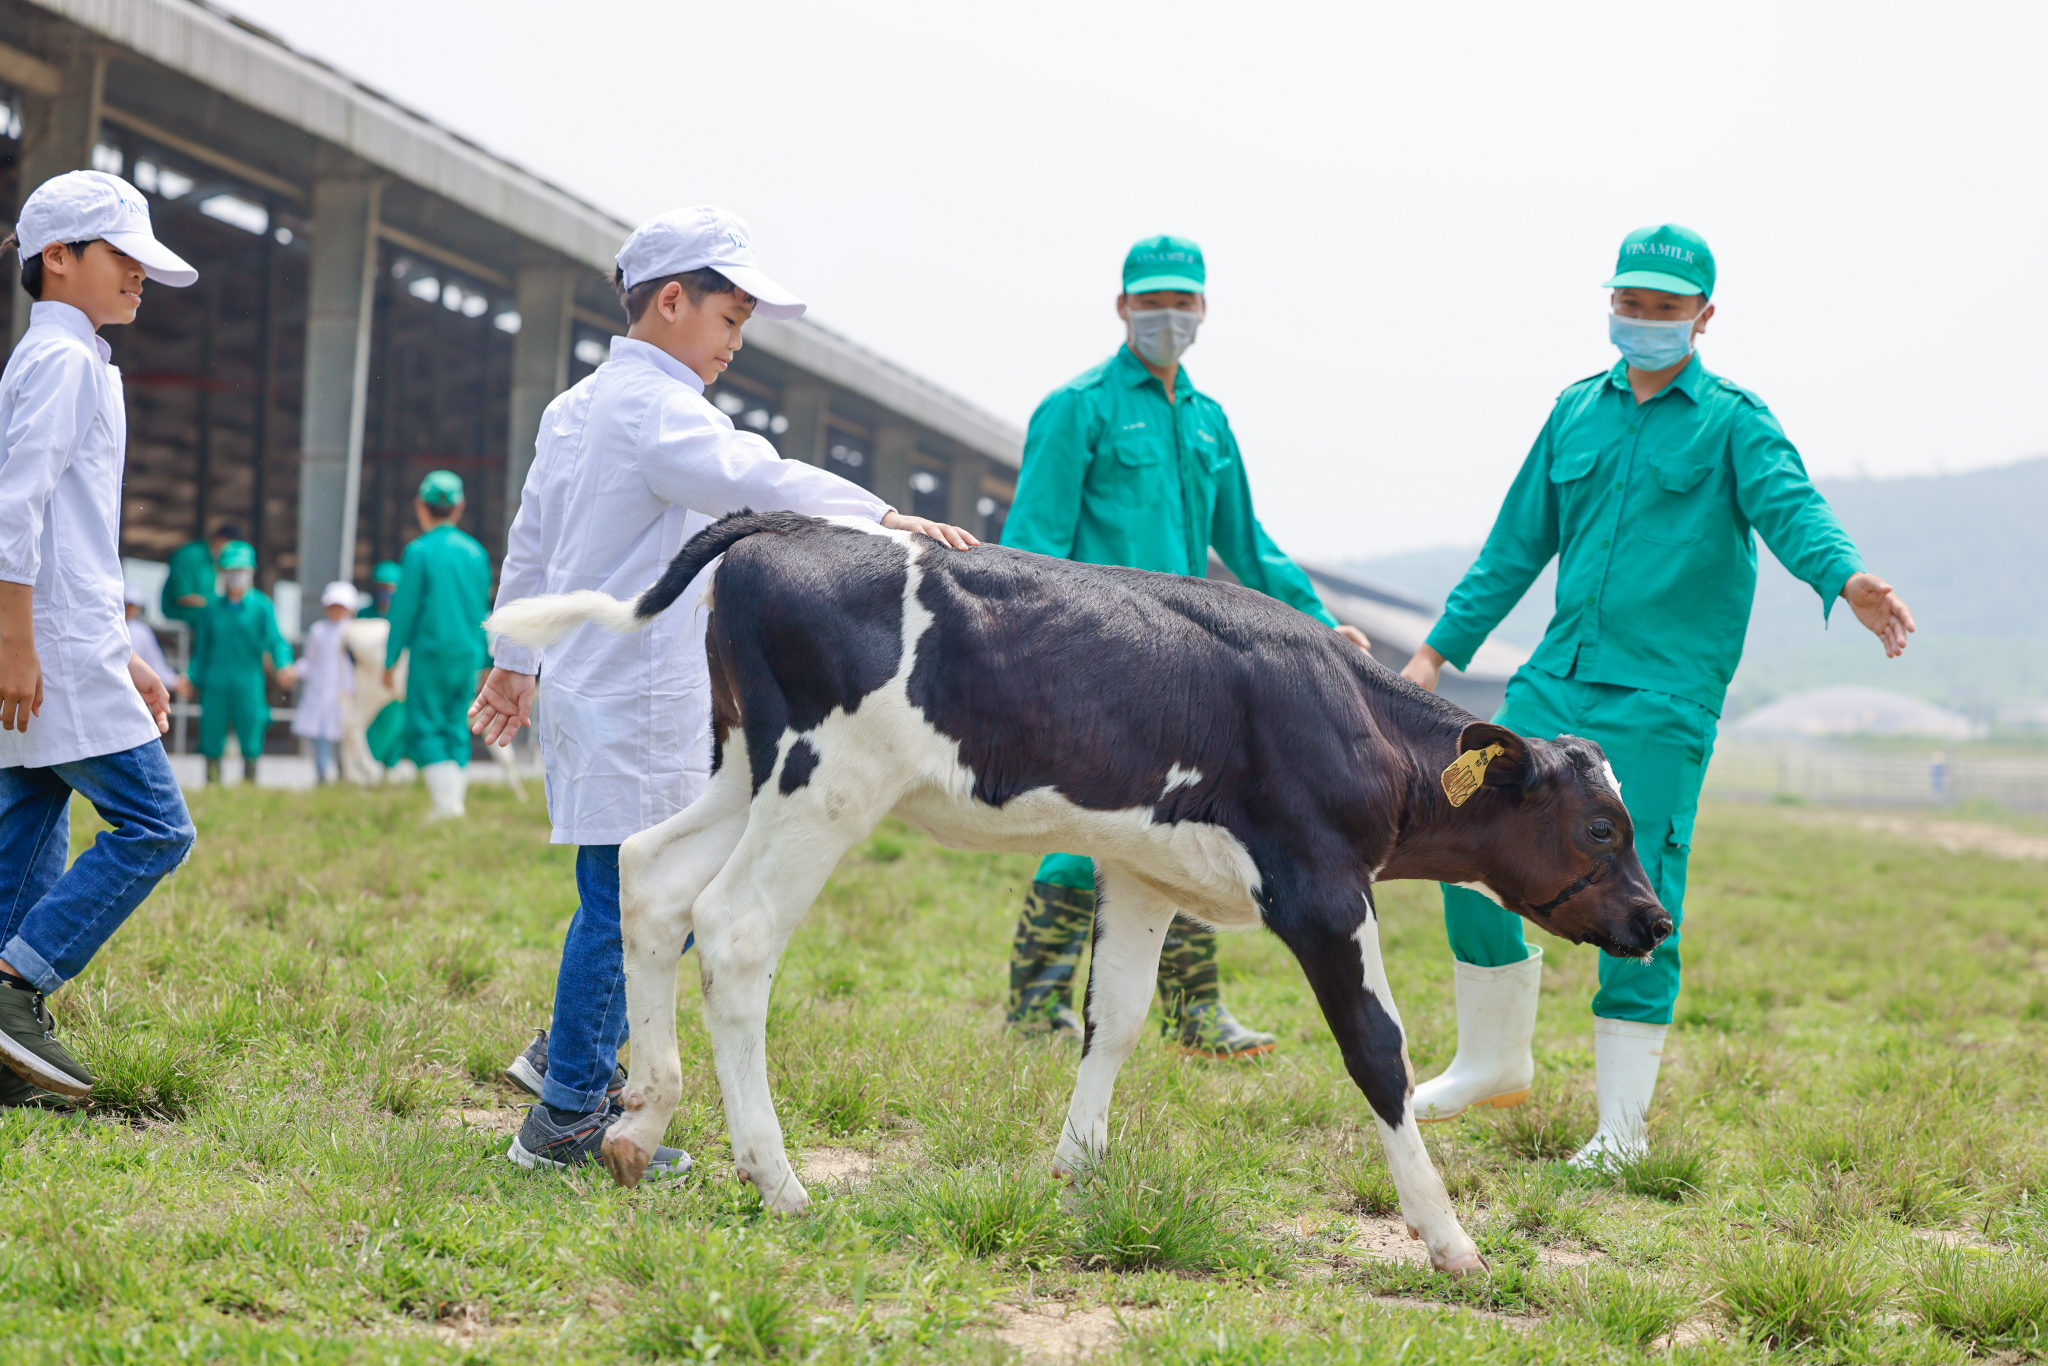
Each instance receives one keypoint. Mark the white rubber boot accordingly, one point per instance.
(445, 786)
(1626, 1056)
(1496, 1024)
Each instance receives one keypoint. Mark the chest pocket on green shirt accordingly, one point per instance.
(1572, 465)
(1129, 468)
(1677, 502)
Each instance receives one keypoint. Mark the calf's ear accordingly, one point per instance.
(1510, 767)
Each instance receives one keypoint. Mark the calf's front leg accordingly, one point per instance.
(1339, 949)
(1130, 924)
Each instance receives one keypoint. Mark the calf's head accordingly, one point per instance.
(1554, 842)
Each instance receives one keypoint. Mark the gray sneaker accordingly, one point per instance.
(544, 1143)
(530, 1069)
(16, 1094)
(29, 1047)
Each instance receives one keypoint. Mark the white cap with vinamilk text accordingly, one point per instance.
(89, 206)
(683, 240)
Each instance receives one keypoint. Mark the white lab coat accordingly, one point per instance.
(628, 465)
(151, 651)
(327, 675)
(65, 428)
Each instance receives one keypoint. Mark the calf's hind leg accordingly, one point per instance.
(743, 921)
(1339, 950)
(662, 872)
(1130, 924)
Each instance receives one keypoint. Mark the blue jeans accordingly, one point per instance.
(590, 990)
(55, 920)
(323, 760)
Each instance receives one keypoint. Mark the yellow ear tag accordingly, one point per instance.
(1468, 772)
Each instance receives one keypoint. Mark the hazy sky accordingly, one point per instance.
(1406, 210)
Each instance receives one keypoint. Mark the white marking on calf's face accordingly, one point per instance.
(1612, 781)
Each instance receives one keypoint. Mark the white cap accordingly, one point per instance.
(132, 592)
(692, 239)
(340, 593)
(87, 206)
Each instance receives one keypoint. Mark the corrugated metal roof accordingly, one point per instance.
(214, 47)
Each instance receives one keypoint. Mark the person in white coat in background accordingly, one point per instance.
(628, 465)
(142, 639)
(327, 676)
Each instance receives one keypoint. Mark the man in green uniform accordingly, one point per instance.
(237, 638)
(444, 594)
(383, 584)
(189, 588)
(1131, 465)
(1646, 484)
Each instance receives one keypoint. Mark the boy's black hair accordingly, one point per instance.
(441, 512)
(699, 285)
(227, 531)
(32, 263)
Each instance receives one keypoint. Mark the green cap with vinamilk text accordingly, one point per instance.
(441, 489)
(387, 571)
(1164, 262)
(1666, 257)
(237, 555)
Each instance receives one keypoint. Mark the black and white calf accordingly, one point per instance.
(1215, 752)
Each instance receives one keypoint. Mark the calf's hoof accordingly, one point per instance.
(624, 1159)
(788, 1198)
(1460, 1263)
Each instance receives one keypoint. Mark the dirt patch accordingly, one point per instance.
(1052, 1331)
(1387, 1240)
(835, 1166)
(1522, 1321)
(1565, 1256)
(1957, 837)
(1949, 1238)
(491, 1121)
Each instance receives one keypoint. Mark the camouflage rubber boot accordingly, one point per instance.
(1055, 927)
(213, 773)
(1192, 998)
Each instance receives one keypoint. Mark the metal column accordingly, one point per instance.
(545, 297)
(340, 295)
(804, 403)
(894, 443)
(57, 134)
(963, 489)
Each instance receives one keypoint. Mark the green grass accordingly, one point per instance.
(295, 1152)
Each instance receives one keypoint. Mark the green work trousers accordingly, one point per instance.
(438, 691)
(1059, 920)
(1658, 745)
(237, 704)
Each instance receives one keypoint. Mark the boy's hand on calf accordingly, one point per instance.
(1881, 609)
(502, 706)
(155, 695)
(953, 536)
(1424, 669)
(1356, 637)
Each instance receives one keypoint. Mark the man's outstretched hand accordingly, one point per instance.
(1881, 609)
(503, 704)
(938, 531)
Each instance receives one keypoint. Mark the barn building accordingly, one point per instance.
(379, 296)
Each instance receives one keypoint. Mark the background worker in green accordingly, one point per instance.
(1131, 465)
(383, 585)
(237, 638)
(444, 593)
(1646, 483)
(189, 587)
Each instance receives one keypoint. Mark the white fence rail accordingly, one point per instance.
(1823, 773)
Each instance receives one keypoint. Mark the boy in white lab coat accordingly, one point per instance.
(329, 676)
(628, 465)
(79, 712)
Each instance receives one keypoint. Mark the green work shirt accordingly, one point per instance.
(1114, 474)
(444, 594)
(232, 639)
(191, 572)
(1649, 509)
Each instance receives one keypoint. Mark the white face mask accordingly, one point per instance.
(237, 580)
(1163, 335)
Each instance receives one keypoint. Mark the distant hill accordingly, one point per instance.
(1969, 552)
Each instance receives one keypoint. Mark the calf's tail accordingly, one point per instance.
(545, 620)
